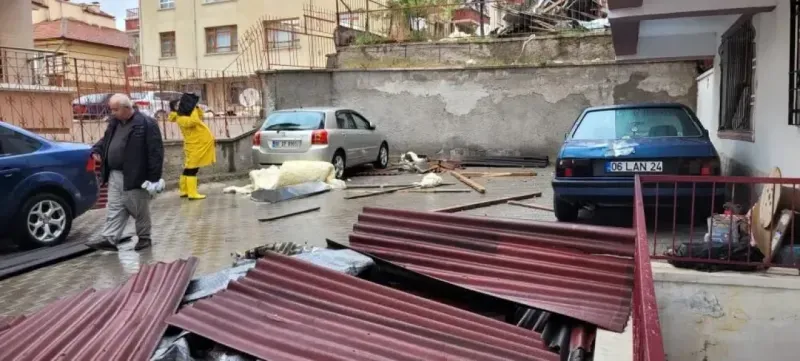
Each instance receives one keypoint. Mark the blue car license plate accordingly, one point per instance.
(635, 167)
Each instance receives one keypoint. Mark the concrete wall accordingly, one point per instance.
(727, 316)
(16, 28)
(505, 110)
(234, 156)
(775, 143)
(539, 51)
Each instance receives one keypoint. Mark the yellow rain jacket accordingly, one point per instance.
(198, 141)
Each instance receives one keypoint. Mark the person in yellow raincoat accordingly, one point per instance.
(198, 149)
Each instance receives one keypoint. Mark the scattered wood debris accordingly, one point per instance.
(489, 203)
(269, 219)
(385, 191)
(469, 182)
(498, 174)
(531, 205)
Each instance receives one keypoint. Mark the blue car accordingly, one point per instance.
(608, 146)
(44, 185)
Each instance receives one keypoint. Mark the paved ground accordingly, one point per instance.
(213, 228)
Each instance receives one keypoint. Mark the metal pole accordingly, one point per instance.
(481, 15)
(366, 14)
(161, 89)
(78, 89)
(225, 105)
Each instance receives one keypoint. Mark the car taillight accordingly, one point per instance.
(257, 139)
(574, 168)
(142, 103)
(701, 166)
(319, 137)
(91, 165)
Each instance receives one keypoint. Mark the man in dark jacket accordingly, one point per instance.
(132, 153)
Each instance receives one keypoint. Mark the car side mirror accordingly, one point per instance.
(371, 126)
(705, 133)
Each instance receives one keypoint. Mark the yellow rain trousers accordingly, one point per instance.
(198, 141)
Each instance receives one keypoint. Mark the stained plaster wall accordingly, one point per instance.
(496, 110)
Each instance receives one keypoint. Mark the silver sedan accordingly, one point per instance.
(340, 136)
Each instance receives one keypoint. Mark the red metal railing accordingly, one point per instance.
(648, 344)
(753, 240)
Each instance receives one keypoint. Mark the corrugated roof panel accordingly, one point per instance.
(287, 309)
(548, 266)
(7, 322)
(124, 323)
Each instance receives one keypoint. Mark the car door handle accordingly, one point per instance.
(9, 171)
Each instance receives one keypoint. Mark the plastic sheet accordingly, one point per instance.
(345, 260)
(289, 192)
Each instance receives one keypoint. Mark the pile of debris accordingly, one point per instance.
(420, 164)
(415, 285)
(551, 16)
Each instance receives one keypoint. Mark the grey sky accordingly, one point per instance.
(116, 8)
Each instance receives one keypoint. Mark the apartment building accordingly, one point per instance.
(206, 34)
(78, 30)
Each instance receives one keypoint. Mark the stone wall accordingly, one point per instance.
(494, 110)
(234, 157)
(541, 50)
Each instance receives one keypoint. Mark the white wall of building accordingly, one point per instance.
(727, 316)
(776, 143)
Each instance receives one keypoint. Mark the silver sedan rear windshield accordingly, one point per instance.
(636, 123)
(303, 120)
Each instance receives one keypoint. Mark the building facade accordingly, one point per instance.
(748, 101)
(210, 34)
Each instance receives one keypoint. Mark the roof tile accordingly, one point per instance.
(80, 31)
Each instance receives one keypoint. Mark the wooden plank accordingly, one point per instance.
(489, 203)
(381, 186)
(531, 205)
(386, 191)
(498, 174)
(469, 182)
(269, 219)
(440, 191)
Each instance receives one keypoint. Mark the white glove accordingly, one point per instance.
(153, 187)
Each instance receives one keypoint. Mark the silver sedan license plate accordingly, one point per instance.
(285, 144)
(635, 167)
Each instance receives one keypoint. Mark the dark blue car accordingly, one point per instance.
(44, 185)
(608, 146)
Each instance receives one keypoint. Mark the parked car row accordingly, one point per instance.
(44, 184)
(152, 103)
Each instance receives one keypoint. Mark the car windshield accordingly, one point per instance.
(294, 121)
(636, 123)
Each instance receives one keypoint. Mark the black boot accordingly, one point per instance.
(144, 243)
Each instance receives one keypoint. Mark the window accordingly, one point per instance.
(343, 121)
(221, 39)
(794, 64)
(282, 34)
(13, 143)
(737, 93)
(168, 44)
(636, 123)
(166, 4)
(361, 123)
(297, 120)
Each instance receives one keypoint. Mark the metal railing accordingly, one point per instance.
(132, 13)
(721, 222)
(381, 21)
(648, 344)
(65, 98)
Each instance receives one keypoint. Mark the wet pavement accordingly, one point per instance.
(213, 228)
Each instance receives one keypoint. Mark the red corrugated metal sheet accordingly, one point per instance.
(287, 309)
(124, 323)
(548, 266)
(7, 322)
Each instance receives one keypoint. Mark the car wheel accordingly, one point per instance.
(44, 220)
(383, 157)
(564, 211)
(339, 164)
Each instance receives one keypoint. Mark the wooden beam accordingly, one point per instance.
(469, 182)
(489, 203)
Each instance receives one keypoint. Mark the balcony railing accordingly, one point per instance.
(19, 66)
(132, 13)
